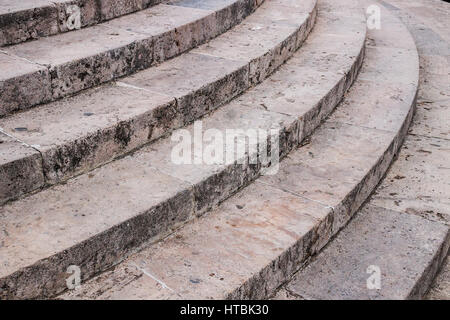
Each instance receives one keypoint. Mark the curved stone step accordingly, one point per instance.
(400, 237)
(31, 19)
(96, 219)
(79, 133)
(258, 238)
(402, 250)
(54, 67)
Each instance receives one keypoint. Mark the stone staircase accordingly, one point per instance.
(87, 171)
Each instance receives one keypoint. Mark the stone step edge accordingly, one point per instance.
(420, 286)
(49, 82)
(346, 80)
(61, 16)
(52, 158)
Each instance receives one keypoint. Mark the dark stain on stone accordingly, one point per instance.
(83, 75)
(123, 133)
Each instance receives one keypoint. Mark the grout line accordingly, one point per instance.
(148, 274)
(126, 85)
(17, 139)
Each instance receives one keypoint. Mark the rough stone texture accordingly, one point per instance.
(250, 230)
(30, 19)
(173, 29)
(440, 290)
(227, 11)
(88, 57)
(418, 182)
(85, 131)
(336, 171)
(228, 115)
(102, 217)
(215, 182)
(26, 19)
(274, 27)
(200, 83)
(20, 169)
(21, 84)
(283, 294)
(212, 81)
(401, 245)
(80, 60)
(359, 158)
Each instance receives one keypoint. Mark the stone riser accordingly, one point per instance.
(51, 18)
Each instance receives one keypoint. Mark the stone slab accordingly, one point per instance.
(91, 56)
(338, 167)
(173, 29)
(250, 231)
(419, 185)
(20, 168)
(80, 133)
(106, 212)
(22, 83)
(404, 248)
(88, 57)
(440, 289)
(31, 19)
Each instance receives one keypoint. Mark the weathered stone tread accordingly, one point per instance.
(31, 19)
(405, 249)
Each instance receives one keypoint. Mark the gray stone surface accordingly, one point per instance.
(91, 56)
(260, 232)
(20, 168)
(402, 246)
(31, 19)
(243, 115)
(187, 265)
(415, 189)
(173, 29)
(72, 142)
(22, 84)
(88, 57)
(418, 181)
(93, 226)
(27, 19)
(80, 133)
(440, 289)
(200, 83)
(274, 27)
